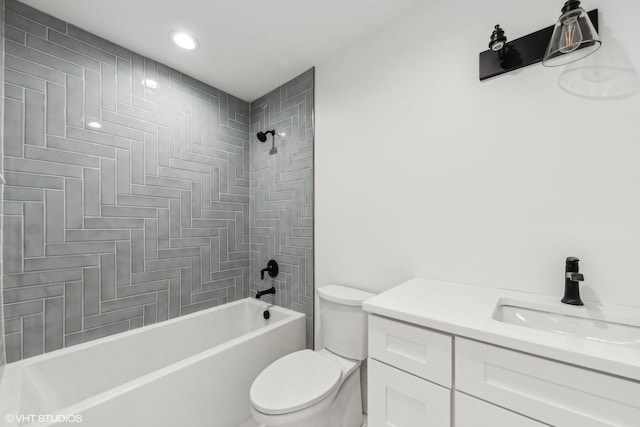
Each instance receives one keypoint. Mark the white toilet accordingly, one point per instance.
(319, 388)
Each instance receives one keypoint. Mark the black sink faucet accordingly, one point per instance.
(572, 278)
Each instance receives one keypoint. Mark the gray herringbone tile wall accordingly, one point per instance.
(2, 353)
(282, 195)
(145, 219)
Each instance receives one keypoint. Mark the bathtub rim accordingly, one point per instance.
(119, 335)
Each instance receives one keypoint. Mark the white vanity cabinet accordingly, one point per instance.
(472, 412)
(409, 379)
(399, 399)
(555, 393)
(421, 377)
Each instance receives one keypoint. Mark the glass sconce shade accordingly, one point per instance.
(574, 37)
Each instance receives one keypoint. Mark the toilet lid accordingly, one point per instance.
(295, 381)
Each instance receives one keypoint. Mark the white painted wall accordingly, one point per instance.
(421, 170)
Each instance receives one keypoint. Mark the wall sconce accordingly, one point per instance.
(572, 38)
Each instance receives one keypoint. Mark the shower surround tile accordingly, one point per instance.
(140, 221)
(3, 327)
(281, 195)
(147, 218)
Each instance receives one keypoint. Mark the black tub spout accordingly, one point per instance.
(271, 290)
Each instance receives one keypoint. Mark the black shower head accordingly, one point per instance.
(262, 136)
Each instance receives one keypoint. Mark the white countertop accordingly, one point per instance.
(466, 311)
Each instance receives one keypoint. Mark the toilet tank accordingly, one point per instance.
(342, 321)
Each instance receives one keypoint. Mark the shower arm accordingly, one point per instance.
(262, 137)
(273, 138)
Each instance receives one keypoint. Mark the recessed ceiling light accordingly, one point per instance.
(94, 125)
(184, 40)
(150, 83)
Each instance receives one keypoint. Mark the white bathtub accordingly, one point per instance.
(194, 370)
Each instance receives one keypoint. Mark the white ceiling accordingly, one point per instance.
(247, 47)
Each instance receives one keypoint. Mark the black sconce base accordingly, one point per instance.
(521, 52)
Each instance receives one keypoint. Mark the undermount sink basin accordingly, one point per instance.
(582, 322)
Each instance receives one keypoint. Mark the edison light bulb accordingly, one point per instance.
(571, 36)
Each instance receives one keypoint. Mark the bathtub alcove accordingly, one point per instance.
(187, 371)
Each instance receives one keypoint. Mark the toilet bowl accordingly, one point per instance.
(305, 388)
(319, 388)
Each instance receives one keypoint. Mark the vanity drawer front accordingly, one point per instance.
(417, 350)
(552, 392)
(398, 399)
(472, 412)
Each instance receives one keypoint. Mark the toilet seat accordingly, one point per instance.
(295, 382)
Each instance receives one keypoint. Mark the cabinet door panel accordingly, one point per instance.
(471, 412)
(399, 399)
(555, 393)
(413, 349)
